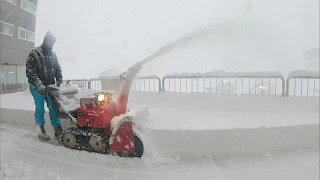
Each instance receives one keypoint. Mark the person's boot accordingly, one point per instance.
(57, 131)
(42, 134)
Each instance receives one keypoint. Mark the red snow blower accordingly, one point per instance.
(102, 125)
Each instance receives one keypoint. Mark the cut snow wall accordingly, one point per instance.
(244, 104)
(233, 142)
(191, 125)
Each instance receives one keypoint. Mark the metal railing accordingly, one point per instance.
(147, 84)
(108, 83)
(82, 83)
(305, 83)
(298, 83)
(13, 88)
(226, 83)
(141, 84)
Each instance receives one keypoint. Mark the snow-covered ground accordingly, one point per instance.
(187, 136)
(23, 157)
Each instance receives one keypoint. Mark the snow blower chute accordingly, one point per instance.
(94, 130)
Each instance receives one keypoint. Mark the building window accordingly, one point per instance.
(9, 74)
(26, 35)
(13, 79)
(2, 74)
(14, 2)
(21, 75)
(29, 7)
(6, 28)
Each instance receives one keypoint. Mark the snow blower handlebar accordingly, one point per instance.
(52, 90)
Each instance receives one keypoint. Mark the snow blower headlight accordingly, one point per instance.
(101, 97)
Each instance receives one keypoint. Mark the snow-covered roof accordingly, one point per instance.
(223, 73)
(110, 72)
(303, 74)
(147, 77)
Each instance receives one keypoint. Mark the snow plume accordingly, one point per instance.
(304, 74)
(115, 120)
(216, 46)
(135, 114)
(152, 155)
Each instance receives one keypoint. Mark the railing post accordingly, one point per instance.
(283, 87)
(159, 83)
(163, 86)
(287, 87)
(89, 84)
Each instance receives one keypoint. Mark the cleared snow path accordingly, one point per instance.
(173, 143)
(33, 159)
(24, 157)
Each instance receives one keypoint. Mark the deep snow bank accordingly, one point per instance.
(204, 111)
(200, 125)
(248, 103)
(233, 142)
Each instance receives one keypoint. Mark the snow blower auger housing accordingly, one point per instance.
(102, 125)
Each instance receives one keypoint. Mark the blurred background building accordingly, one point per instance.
(17, 39)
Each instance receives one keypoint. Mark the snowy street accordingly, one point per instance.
(35, 160)
(246, 151)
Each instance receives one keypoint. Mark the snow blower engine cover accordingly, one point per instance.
(97, 111)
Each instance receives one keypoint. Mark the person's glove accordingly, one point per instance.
(41, 88)
(59, 81)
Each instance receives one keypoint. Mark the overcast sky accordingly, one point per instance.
(242, 35)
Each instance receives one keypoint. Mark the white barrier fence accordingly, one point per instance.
(303, 83)
(298, 83)
(225, 83)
